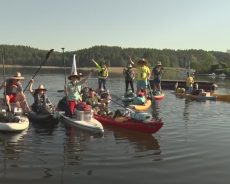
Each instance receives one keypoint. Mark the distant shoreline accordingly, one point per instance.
(113, 70)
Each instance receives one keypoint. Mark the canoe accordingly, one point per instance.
(88, 124)
(19, 123)
(43, 117)
(141, 108)
(130, 124)
(220, 97)
(196, 97)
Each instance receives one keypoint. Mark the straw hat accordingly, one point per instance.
(17, 76)
(142, 60)
(159, 63)
(75, 74)
(41, 87)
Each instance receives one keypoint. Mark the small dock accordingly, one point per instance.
(170, 84)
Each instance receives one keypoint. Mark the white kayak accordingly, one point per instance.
(20, 124)
(89, 124)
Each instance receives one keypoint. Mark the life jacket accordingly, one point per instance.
(103, 73)
(129, 75)
(39, 104)
(11, 88)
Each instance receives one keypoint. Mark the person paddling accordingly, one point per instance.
(102, 74)
(14, 92)
(41, 104)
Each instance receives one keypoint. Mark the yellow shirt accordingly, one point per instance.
(189, 82)
(143, 72)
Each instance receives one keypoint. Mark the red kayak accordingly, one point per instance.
(127, 123)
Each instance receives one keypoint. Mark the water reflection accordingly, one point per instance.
(44, 128)
(141, 141)
(155, 109)
(186, 109)
(12, 146)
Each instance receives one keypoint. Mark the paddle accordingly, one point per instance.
(119, 103)
(46, 58)
(3, 67)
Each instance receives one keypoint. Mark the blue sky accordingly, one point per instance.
(79, 24)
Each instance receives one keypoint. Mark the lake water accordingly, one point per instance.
(191, 147)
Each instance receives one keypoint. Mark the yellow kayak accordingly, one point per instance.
(141, 108)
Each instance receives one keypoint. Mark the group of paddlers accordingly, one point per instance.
(14, 96)
(77, 95)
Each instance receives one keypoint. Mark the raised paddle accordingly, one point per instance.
(46, 58)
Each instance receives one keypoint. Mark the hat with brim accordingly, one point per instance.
(130, 66)
(142, 61)
(17, 76)
(159, 63)
(41, 87)
(75, 74)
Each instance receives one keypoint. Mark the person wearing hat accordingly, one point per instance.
(189, 83)
(14, 92)
(73, 91)
(129, 77)
(41, 103)
(157, 72)
(143, 74)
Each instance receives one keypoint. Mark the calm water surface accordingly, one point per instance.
(192, 146)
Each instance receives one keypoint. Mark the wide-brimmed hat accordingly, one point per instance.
(75, 74)
(17, 76)
(159, 63)
(41, 87)
(142, 60)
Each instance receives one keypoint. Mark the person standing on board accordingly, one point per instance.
(73, 91)
(129, 77)
(157, 72)
(14, 92)
(102, 75)
(143, 74)
(189, 83)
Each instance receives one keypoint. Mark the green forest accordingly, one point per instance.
(200, 60)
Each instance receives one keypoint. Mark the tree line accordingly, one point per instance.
(200, 60)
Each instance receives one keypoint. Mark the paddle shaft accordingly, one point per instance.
(46, 58)
(4, 77)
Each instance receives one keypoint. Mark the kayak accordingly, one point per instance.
(220, 97)
(141, 108)
(196, 97)
(18, 123)
(83, 122)
(151, 126)
(43, 117)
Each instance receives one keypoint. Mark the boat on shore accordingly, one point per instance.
(84, 121)
(149, 126)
